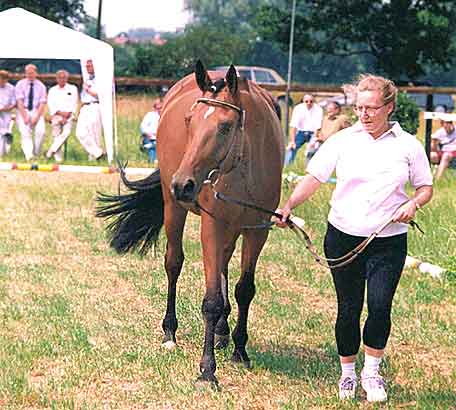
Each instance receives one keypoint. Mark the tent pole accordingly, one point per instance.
(116, 148)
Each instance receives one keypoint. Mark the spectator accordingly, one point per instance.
(443, 147)
(62, 104)
(7, 103)
(333, 122)
(89, 127)
(149, 126)
(374, 160)
(31, 102)
(305, 121)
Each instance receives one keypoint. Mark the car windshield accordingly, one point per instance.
(245, 74)
(264, 77)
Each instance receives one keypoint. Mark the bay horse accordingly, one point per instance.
(215, 133)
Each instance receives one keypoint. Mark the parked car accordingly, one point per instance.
(263, 75)
(260, 75)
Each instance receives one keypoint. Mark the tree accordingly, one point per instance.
(403, 36)
(89, 27)
(177, 57)
(70, 13)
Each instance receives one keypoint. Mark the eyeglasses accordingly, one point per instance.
(370, 111)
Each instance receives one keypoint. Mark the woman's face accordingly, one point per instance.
(372, 112)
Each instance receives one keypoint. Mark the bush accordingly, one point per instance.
(407, 113)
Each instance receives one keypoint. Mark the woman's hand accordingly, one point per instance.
(285, 212)
(406, 212)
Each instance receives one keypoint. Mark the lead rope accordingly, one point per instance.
(295, 224)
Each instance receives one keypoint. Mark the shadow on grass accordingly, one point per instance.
(297, 362)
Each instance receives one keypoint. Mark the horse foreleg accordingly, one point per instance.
(174, 225)
(245, 291)
(212, 307)
(222, 329)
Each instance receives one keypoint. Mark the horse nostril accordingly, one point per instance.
(189, 189)
(186, 192)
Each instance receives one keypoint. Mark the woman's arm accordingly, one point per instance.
(303, 191)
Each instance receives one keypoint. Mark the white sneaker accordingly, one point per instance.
(374, 386)
(347, 387)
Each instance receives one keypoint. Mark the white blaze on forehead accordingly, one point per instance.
(209, 111)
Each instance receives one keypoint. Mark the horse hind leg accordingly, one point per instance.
(174, 225)
(245, 291)
(222, 329)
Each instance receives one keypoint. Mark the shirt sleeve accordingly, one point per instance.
(43, 94)
(51, 102)
(144, 127)
(75, 98)
(324, 162)
(420, 170)
(295, 118)
(19, 91)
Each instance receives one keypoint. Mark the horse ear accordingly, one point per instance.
(232, 80)
(202, 78)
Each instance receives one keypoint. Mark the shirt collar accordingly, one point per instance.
(395, 130)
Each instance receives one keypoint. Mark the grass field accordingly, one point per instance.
(81, 326)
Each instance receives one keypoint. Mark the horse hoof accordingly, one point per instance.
(169, 345)
(238, 359)
(221, 341)
(204, 382)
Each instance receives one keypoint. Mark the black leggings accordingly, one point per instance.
(380, 265)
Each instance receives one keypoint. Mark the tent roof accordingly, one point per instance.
(38, 37)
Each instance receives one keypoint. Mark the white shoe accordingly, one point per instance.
(374, 386)
(347, 387)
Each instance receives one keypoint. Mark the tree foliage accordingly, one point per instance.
(403, 36)
(407, 113)
(70, 13)
(178, 55)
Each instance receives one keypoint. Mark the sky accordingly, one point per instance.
(118, 15)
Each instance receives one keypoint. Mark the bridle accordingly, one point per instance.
(241, 112)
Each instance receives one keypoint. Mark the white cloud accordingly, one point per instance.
(120, 16)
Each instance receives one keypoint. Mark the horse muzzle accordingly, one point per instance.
(184, 191)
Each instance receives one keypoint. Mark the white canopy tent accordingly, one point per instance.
(27, 35)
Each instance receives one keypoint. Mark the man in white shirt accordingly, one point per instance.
(443, 148)
(306, 120)
(62, 104)
(89, 127)
(31, 98)
(7, 103)
(148, 128)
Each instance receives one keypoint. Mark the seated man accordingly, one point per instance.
(62, 104)
(7, 103)
(443, 147)
(148, 130)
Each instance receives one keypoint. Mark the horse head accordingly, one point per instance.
(214, 127)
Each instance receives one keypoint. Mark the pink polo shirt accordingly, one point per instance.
(371, 177)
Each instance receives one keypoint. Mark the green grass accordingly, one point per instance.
(81, 326)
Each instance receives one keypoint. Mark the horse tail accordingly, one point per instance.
(136, 217)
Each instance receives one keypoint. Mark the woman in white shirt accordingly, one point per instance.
(373, 160)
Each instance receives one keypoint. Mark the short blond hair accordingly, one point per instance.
(4, 75)
(371, 82)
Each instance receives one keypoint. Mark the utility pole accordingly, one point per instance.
(100, 6)
(290, 63)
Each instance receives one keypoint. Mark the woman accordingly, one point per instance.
(373, 160)
(148, 127)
